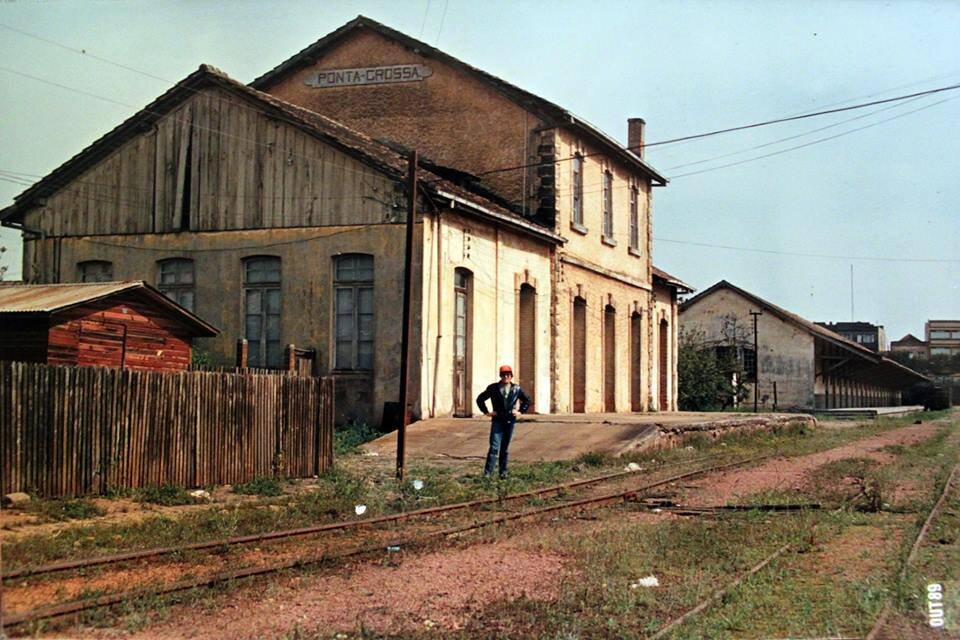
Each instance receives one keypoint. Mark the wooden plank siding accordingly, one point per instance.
(241, 168)
(70, 431)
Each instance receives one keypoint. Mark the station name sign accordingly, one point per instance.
(368, 75)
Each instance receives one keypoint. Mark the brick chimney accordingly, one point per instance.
(635, 138)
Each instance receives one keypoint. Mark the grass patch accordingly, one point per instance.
(348, 438)
(163, 494)
(51, 510)
(259, 486)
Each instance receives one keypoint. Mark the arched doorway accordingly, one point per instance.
(462, 343)
(609, 359)
(579, 358)
(664, 368)
(527, 342)
(636, 354)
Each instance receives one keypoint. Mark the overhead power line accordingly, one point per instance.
(807, 255)
(744, 127)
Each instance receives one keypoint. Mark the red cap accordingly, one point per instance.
(506, 369)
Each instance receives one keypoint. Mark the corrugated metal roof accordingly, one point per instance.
(50, 298)
(672, 280)
(46, 298)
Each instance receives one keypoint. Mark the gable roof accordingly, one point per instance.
(783, 314)
(387, 158)
(51, 298)
(909, 339)
(806, 325)
(534, 103)
(672, 281)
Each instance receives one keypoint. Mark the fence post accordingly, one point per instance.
(290, 354)
(243, 349)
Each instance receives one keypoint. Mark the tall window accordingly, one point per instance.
(353, 287)
(634, 219)
(175, 280)
(578, 190)
(262, 311)
(95, 271)
(608, 205)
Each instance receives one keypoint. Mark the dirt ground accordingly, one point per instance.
(440, 590)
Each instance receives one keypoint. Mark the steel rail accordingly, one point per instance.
(304, 531)
(921, 536)
(77, 606)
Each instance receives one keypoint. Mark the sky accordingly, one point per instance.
(871, 192)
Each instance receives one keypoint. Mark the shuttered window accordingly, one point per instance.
(353, 312)
(634, 219)
(608, 205)
(262, 311)
(578, 190)
(175, 280)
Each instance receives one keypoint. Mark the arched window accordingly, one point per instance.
(175, 279)
(353, 311)
(95, 271)
(261, 276)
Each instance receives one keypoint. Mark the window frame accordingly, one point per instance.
(607, 226)
(576, 205)
(355, 288)
(178, 289)
(634, 245)
(263, 288)
(83, 265)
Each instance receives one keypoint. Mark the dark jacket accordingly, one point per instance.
(502, 410)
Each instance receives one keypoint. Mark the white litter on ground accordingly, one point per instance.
(417, 484)
(649, 581)
(200, 494)
(633, 466)
(360, 509)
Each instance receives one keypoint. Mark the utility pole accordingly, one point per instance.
(407, 296)
(756, 360)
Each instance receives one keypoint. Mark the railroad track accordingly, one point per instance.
(377, 540)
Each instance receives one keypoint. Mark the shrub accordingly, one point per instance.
(60, 510)
(164, 494)
(259, 486)
(348, 438)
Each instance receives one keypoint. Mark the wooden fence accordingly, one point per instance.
(82, 430)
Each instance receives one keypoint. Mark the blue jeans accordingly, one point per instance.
(501, 431)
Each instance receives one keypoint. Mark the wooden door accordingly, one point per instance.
(609, 359)
(664, 368)
(636, 367)
(461, 344)
(527, 342)
(579, 355)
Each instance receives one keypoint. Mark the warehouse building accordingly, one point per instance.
(797, 363)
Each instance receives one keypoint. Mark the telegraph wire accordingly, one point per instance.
(811, 143)
(805, 255)
(745, 127)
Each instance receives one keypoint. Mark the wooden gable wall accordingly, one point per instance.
(120, 331)
(231, 164)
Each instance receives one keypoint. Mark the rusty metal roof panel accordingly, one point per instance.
(50, 298)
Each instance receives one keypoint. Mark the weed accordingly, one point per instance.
(259, 486)
(61, 510)
(594, 459)
(164, 494)
(348, 438)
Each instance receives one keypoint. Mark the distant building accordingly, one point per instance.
(943, 337)
(871, 336)
(913, 346)
(798, 363)
(128, 325)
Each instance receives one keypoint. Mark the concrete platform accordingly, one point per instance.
(868, 412)
(566, 436)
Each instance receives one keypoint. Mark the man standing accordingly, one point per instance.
(503, 396)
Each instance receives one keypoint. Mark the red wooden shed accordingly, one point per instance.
(111, 324)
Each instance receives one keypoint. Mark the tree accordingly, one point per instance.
(707, 381)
